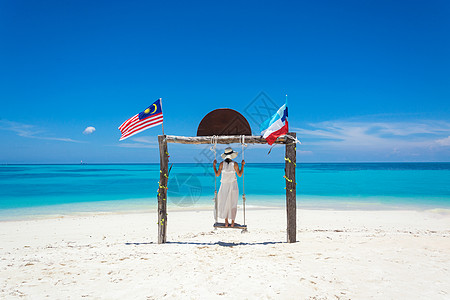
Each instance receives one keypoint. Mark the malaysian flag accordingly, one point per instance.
(150, 117)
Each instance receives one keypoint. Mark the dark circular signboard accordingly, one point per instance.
(224, 121)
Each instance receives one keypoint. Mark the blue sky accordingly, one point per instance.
(367, 80)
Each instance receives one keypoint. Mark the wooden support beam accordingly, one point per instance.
(162, 190)
(291, 199)
(221, 139)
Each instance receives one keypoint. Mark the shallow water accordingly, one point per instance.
(59, 189)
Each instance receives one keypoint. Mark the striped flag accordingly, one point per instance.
(275, 126)
(150, 117)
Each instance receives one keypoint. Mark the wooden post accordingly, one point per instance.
(162, 190)
(291, 205)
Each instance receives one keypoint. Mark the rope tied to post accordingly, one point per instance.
(213, 149)
(243, 146)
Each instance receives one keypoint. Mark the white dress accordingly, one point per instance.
(228, 192)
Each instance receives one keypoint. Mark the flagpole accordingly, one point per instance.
(162, 124)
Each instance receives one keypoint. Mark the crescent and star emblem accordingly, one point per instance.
(148, 110)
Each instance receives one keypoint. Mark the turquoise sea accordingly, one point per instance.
(43, 190)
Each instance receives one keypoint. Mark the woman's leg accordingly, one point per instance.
(226, 222)
(232, 223)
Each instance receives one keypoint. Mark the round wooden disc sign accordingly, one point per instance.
(224, 121)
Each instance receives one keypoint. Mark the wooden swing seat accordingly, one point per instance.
(236, 226)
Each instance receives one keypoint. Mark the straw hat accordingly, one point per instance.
(229, 153)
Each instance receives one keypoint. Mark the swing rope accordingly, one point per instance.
(243, 145)
(213, 149)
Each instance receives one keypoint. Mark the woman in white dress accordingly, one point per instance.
(229, 192)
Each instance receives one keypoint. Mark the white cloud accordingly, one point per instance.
(301, 152)
(89, 130)
(444, 141)
(136, 145)
(354, 138)
(140, 142)
(146, 140)
(30, 131)
(374, 134)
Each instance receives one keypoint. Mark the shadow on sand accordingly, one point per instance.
(223, 244)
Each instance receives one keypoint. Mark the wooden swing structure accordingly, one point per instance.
(227, 126)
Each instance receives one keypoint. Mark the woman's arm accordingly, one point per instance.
(236, 168)
(217, 172)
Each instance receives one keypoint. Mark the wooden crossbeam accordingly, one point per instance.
(221, 139)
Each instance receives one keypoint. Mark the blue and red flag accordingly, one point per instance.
(150, 117)
(275, 126)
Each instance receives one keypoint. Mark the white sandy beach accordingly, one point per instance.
(339, 255)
